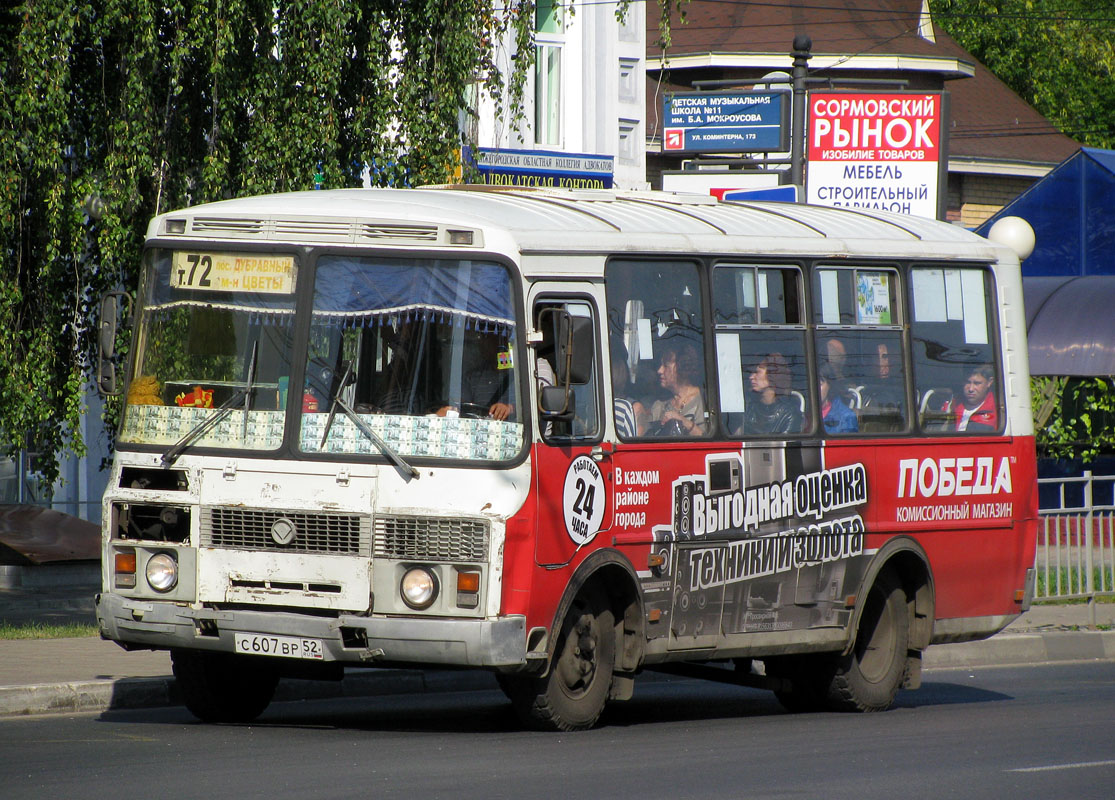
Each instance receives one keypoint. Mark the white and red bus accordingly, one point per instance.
(566, 437)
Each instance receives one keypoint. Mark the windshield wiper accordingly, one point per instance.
(223, 410)
(400, 464)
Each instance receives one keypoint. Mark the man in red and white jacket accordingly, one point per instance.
(977, 409)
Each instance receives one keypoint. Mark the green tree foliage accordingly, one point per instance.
(1074, 418)
(112, 111)
(115, 110)
(1058, 55)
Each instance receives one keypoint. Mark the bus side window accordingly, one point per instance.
(760, 350)
(954, 353)
(656, 326)
(858, 312)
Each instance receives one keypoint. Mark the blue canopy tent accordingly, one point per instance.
(1069, 286)
(1069, 280)
(1072, 212)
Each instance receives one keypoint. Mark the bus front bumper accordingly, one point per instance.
(142, 623)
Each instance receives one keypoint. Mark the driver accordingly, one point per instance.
(487, 382)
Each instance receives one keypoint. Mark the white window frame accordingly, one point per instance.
(548, 96)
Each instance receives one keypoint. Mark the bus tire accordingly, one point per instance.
(573, 693)
(869, 677)
(809, 676)
(222, 687)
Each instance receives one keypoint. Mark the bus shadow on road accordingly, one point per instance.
(943, 693)
(656, 701)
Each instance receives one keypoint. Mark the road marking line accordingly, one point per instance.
(1052, 767)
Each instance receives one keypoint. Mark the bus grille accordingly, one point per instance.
(251, 529)
(431, 538)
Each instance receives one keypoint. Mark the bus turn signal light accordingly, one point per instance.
(124, 563)
(468, 589)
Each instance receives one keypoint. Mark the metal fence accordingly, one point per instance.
(1075, 556)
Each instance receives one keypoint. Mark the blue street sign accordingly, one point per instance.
(726, 122)
(788, 194)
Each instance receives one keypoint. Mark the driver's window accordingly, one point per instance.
(567, 403)
(413, 355)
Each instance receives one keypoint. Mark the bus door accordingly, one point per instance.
(572, 473)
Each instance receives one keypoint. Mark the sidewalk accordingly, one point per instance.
(40, 676)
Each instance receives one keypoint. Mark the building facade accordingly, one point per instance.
(584, 103)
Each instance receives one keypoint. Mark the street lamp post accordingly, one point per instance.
(801, 54)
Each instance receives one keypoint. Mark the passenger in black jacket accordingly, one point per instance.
(771, 408)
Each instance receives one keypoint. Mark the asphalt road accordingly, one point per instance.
(1041, 731)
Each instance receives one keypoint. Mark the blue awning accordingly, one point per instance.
(1072, 212)
(1068, 323)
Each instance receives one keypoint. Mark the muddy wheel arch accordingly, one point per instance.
(907, 561)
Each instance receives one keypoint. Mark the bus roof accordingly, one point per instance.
(566, 221)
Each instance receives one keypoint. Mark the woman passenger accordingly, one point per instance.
(683, 414)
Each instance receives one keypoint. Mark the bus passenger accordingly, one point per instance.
(683, 414)
(630, 415)
(772, 409)
(884, 393)
(835, 414)
(977, 410)
(836, 356)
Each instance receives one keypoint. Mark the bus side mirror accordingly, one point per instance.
(112, 304)
(574, 349)
(555, 403)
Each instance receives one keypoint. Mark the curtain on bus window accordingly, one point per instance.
(359, 291)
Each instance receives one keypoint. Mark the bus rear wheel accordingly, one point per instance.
(222, 687)
(572, 695)
(809, 678)
(868, 678)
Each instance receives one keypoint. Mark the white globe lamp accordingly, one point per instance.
(1015, 233)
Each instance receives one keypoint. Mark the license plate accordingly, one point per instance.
(261, 644)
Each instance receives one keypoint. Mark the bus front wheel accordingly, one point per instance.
(222, 687)
(572, 695)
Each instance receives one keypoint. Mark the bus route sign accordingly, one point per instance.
(233, 272)
(726, 122)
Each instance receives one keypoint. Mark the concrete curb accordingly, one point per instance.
(1023, 648)
(162, 692)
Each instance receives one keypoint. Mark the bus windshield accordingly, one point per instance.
(405, 357)
(417, 352)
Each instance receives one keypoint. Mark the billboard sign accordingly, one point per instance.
(883, 151)
(726, 122)
(542, 168)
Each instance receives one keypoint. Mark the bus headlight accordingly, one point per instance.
(419, 588)
(162, 572)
